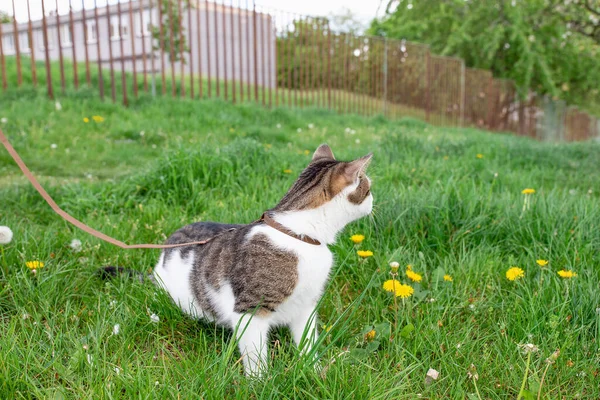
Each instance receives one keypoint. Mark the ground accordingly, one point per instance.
(448, 202)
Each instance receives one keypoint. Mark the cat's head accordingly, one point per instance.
(340, 189)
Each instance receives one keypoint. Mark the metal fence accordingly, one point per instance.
(239, 51)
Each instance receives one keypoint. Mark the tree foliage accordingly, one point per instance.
(172, 30)
(548, 46)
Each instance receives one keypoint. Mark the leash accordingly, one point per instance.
(66, 216)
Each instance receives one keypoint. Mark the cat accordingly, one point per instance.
(271, 272)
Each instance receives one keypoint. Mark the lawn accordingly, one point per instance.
(448, 202)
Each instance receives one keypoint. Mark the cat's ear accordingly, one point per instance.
(323, 153)
(354, 168)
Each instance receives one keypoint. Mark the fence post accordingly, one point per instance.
(428, 85)
(385, 74)
(32, 46)
(48, 72)
(255, 52)
(328, 65)
(462, 93)
(18, 51)
(2, 64)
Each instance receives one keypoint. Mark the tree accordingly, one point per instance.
(172, 30)
(529, 41)
(5, 17)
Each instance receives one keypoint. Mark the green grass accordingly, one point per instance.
(438, 208)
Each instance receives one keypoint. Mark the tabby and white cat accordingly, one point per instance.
(272, 272)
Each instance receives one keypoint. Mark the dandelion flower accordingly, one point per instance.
(306, 152)
(404, 291)
(394, 265)
(542, 263)
(391, 285)
(413, 276)
(448, 278)
(5, 235)
(75, 245)
(479, 155)
(567, 274)
(86, 119)
(399, 289)
(371, 334)
(34, 264)
(97, 118)
(528, 348)
(287, 171)
(357, 239)
(364, 253)
(514, 273)
(528, 191)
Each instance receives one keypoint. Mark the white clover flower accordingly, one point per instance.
(113, 303)
(528, 348)
(4, 120)
(117, 370)
(53, 146)
(57, 106)
(116, 329)
(142, 133)
(299, 130)
(357, 141)
(154, 318)
(278, 126)
(352, 131)
(310, 126)
(5, 235)
(26, 316)
(347, 130)
(75, 245)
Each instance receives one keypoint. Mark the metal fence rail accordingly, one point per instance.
(239, 51)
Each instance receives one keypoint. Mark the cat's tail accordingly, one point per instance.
(110, 272)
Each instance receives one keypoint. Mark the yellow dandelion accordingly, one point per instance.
(391, 285)
(413, 276)
(357, 239)
(370, 335)
(399, 289)
(528, 191)
(404, 291)
(86, 119)
(542, 263)
(479, 155)
(287, 171)
(409, 267)
(567, 274)
(97, 118)
(268, 145)
(514, 273)
(448, 278)
(326, 328)
(34, 264)
(364, 253)
(306, 152)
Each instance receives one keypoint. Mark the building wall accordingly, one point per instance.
(220, 40)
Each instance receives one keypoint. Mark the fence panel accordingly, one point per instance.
(239, 52)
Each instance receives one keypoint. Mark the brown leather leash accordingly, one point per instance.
(13, 153)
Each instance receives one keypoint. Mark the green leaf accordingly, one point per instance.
(373, 346)
(383, 330)
(438, 274)
(359, 354)
(405, 333)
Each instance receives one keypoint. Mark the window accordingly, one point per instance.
(92, 32)
(148, 20)
(115, 33)
(65, 36)
(51, 36)
(8, 43)
(24, 42)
